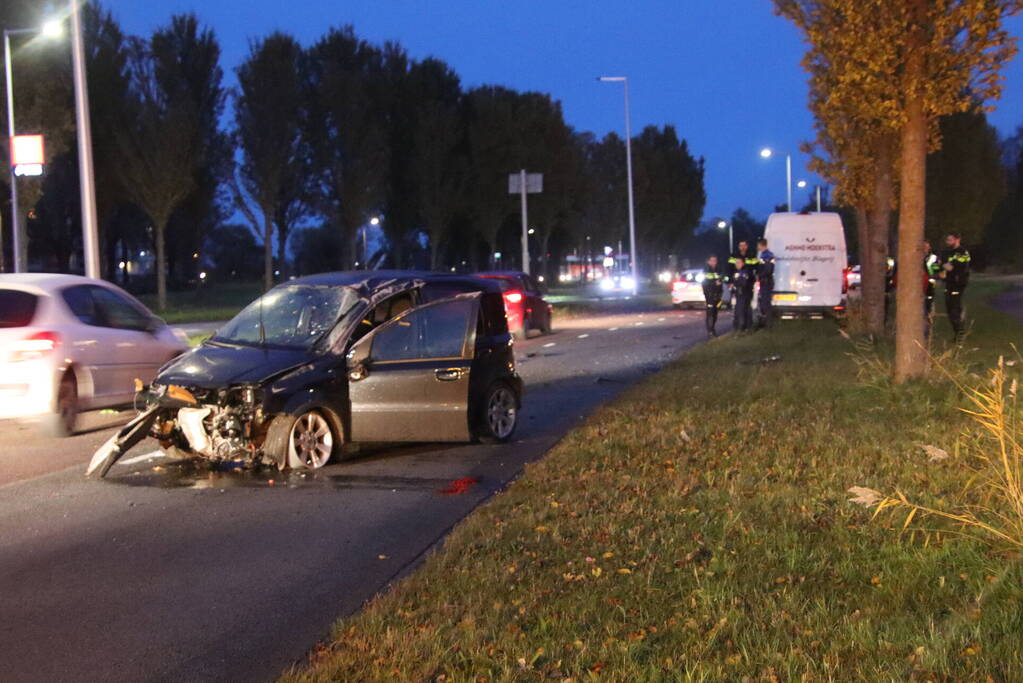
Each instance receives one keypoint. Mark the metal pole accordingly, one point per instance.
(730, 247)
(90, 231)
(15, 236)
(818, 199)
(632, 211)
(525, 222)
(788, 178)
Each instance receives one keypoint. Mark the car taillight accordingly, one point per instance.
(513, 297)
(36, 346)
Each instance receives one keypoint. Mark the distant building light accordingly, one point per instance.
(27, 150)
(531, 231)
(202, 275)
(497, 255)
(277, 272)
(375, 220)
(195, 255)
(121, 265)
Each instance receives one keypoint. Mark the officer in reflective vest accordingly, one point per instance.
(713, 288)
(932, 269)
(765, 276)
(743, 272)
(956, 273)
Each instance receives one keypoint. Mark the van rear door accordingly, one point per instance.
(810, 256)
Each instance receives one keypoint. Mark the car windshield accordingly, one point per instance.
(292, 316)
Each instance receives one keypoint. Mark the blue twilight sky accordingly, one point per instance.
(724, 72)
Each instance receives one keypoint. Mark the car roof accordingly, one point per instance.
(375, 279)
(45, 282)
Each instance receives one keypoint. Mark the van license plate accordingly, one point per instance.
(784, 297)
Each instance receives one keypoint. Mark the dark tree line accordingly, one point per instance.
(282, 174)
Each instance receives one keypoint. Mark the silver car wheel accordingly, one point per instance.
(311, 442)
(502, 412)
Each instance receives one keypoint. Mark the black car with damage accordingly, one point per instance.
(336, 358)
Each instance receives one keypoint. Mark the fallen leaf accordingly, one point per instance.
(934, 454)
(864, 496)
(623, 570)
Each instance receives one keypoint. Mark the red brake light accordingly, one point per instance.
(513, 297)
(34, 347)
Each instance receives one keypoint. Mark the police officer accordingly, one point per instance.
(713, 287)
(956, 273)
(743, 272)
(932, 268)
(765, 276)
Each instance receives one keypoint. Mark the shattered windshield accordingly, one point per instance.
(293, 316)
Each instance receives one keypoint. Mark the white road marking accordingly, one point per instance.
(583, 336)
(639, 323)
(140, 458)
(660, 320)
(548, 345)
(612, 329)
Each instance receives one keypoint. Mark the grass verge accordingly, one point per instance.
(698, 528)
(209, 303)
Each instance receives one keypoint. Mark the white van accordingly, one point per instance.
(810, 259)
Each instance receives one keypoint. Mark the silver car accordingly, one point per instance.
(70, 343)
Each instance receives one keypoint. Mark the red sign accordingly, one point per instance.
(27, 149)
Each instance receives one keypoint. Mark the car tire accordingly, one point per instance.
(498, 414)
(308, 439)
(61, 423)
(547, 327)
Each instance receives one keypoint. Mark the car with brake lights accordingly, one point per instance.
(523, 301)
(70, 344)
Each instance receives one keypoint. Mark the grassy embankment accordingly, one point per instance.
(208, 303)
(699, 528)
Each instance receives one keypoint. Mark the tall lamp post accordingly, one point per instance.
(766, 153)
(722, 225)
(50, 29)
(90, 238)
(628, 165)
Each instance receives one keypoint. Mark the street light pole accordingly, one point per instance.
(788, 179)
(628, 166)
(15, 232)
(87, 185)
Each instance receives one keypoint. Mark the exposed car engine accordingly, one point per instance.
(222, 425)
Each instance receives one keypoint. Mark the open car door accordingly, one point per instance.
(408, 380)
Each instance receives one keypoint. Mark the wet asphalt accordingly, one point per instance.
(170, 571)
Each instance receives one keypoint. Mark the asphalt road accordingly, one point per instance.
(166, 572)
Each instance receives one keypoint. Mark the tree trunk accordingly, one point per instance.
(910, 354)
(161, 263)
(268, 251)
(282, 258)
(874, 266)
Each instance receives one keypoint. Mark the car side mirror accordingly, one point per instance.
(357, 360)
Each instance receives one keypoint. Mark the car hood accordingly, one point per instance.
(211, 366)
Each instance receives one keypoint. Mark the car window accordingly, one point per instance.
(82, 304)
(290, 316)
(119, 312)
(387, 309)
(437, 331)
(17, 308)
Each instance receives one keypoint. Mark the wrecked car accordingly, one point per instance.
(332, 359)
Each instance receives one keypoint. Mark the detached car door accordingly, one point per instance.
(409, 379)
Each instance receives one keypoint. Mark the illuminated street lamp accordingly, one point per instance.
(766, 153)
(722, 225)
(628, 165)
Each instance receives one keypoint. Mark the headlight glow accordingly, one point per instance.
(607, 284)
(628, 283)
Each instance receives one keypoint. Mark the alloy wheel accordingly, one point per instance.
(312, 441)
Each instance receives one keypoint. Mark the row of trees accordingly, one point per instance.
(322, 139)
(882, 77)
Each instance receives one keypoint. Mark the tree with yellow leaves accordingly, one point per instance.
(882, 73)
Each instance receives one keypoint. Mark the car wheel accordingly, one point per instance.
(61, 423)
(547, 327)
(499, 415)
(306, 440)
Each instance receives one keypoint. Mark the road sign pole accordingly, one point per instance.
(525, 224)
